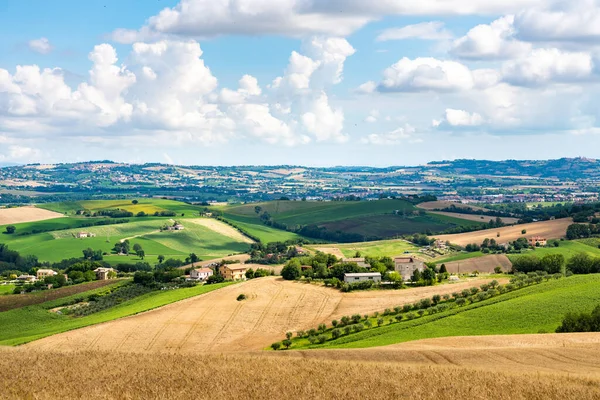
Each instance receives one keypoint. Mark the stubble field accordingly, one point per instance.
(26, 214)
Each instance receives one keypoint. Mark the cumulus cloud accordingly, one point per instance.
(406, 133)
(459, 118)
(493, 41)
(425, 30)
(544, 66)
(373, 116)
(206, 18)
(41, 45)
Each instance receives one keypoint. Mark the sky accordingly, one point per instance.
(298, 82)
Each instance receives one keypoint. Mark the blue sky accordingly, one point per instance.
(326, 82)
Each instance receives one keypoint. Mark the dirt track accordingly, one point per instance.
(26, 214)
(217, 322)
(555, 229)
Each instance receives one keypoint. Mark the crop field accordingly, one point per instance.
(379, 248)
(149, 206)
(529, 310)
(25, 324)
(26, 214)
(484, 264)
(298, 375)
(217, 322)
(257, 229)
(6, 289)
(567, 248)
(554, 229)
(204, 241)
(474, 217)
(440, 205)
(222, 228)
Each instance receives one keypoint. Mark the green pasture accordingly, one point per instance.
(380, 248)
(567, 248)
(26, 324)
(532, 309)
(256, 228)
(6, 289)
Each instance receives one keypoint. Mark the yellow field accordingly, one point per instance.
(485, 264)
(217, 322)
(555, 229)
(26, 214)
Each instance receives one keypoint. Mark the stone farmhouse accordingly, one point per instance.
(233, 272)
(406, 266)
(43, 273)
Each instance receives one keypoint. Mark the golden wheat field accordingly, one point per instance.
(554, 229)
(33, 374)
(217, 322)
(26, 214)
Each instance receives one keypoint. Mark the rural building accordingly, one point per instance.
(26, 278)
(207, 214)
(362, 276)
(103, 274)
(406, 266)
(360, 261)
(83, 235)
(233, 272)
(537, 241)
(201, 274)
(43, 273)
(453, 278)
(176, 227)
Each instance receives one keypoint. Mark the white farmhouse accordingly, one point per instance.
(362, 276)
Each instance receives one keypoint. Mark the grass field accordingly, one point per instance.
(257, 229)
(6, 289)
(25, 324)
(567, 248)
(380, 248)
(60, 244)
(529, 310)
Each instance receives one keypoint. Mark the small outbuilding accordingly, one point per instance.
(362, 276)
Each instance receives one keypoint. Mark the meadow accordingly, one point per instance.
(379, 248)
(6, 289)
(532, 309)
(29, 323)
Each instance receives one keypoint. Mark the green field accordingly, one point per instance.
(6, 289)
(257, 229)
(57, 245)
(149, 206)
(26, 324)
(380, 248)
(532, 309)
(567, 249)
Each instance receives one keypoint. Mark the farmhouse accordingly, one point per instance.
(26, 278)
(537, 241)
(200, 274)
(360, 261)
(364, 276)
(103, 274)
(233, 272)
(406, 266)
(176, 227)
(83, 235)
(43, 273)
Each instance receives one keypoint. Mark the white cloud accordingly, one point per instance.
(367, 87)
(459, 118)
(425, 30)
(493, 41)
(324, 122)
(41, 45)
(399, 135)
(373, 116)
(545, 66)
(425, 74)
(207, 18)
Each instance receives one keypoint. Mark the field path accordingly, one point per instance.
(222, 228)
(215, 321)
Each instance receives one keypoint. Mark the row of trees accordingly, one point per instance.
(581, 263)
(582, 322)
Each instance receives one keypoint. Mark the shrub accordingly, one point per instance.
(368, 323)
(345, 320)
(347, 329)
(446, 297)
(380, 322)
(461, 302)
(241, 297)
(312, 332)
(411, 315)
(398, 317)
(421, 312)
(287, 343)
(356, 318)
(276, 346)
(436, 298)
(358, 327)
(300, 334)
(336, 333)
(321, 339)
(498, 270)
(406, 308)
(474, 290)
(312, 339)
(322, 327)
(288, 335)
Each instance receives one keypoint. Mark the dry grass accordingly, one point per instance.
(217, 322)
(474, 217)
(26, 214)
(549, 229)
(485, 264)
(222, 229)
(111, 375)
(331, 250)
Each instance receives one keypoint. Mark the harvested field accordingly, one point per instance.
(474, 217)
(241, 258)
(222, 228)
(217, 322)
(331, 250)
(485, 264)
(26, 214)
(287, 375)
(555, 229)
(21, 300)
(440, 205)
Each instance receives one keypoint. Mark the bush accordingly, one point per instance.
(241, 297)
(380, 322)
(321, 339)
(336, 333)
(287, 343)
(461, 301)
(276, 346)
(582, 322)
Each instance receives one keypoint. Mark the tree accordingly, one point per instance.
(141, 254)
(257, 209)
(88, 253)
(250, 273)
(578, 231)
(194, 258)
(134, 202)
(287, 343)
(429, 276)
(288, 335)
(524, 231)
(291, 271)
(416, 277)
(580, 263)
(553, 263)
(137, 247)
(276, 346)
(161, 258)
(10, 229)
(443, 269)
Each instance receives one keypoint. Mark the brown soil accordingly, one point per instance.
(555, 229)
(217, 322)
(26, 214)
(474, 217)
(485, 264)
